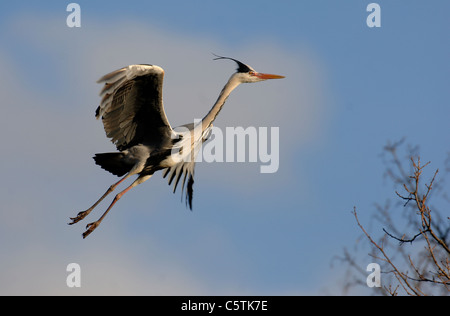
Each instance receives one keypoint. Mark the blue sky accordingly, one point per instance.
(348, 90)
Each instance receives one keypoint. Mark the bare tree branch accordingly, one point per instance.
(423, 266)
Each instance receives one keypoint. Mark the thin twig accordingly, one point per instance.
(401, 240)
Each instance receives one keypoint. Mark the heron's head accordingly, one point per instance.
(246, 74)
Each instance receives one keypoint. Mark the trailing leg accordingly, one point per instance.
(83, 214)
(92, 226)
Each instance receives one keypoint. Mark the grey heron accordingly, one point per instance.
(132, 112)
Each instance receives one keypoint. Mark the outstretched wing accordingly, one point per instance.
(190, 145)
(131, 108)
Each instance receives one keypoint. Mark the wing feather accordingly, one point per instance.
(186, 168)
(131, 107)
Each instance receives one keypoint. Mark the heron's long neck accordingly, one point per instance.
(232, 83)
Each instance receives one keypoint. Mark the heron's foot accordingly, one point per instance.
(79, 217)
(90, 228)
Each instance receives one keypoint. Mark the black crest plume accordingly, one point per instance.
(241, 66)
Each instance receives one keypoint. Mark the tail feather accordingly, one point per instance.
(113, 162)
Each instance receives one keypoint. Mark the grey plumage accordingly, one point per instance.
(133, 116)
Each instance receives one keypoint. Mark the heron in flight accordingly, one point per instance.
(133, 116)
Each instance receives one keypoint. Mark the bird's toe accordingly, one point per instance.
(78, 218)
(90, 228)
